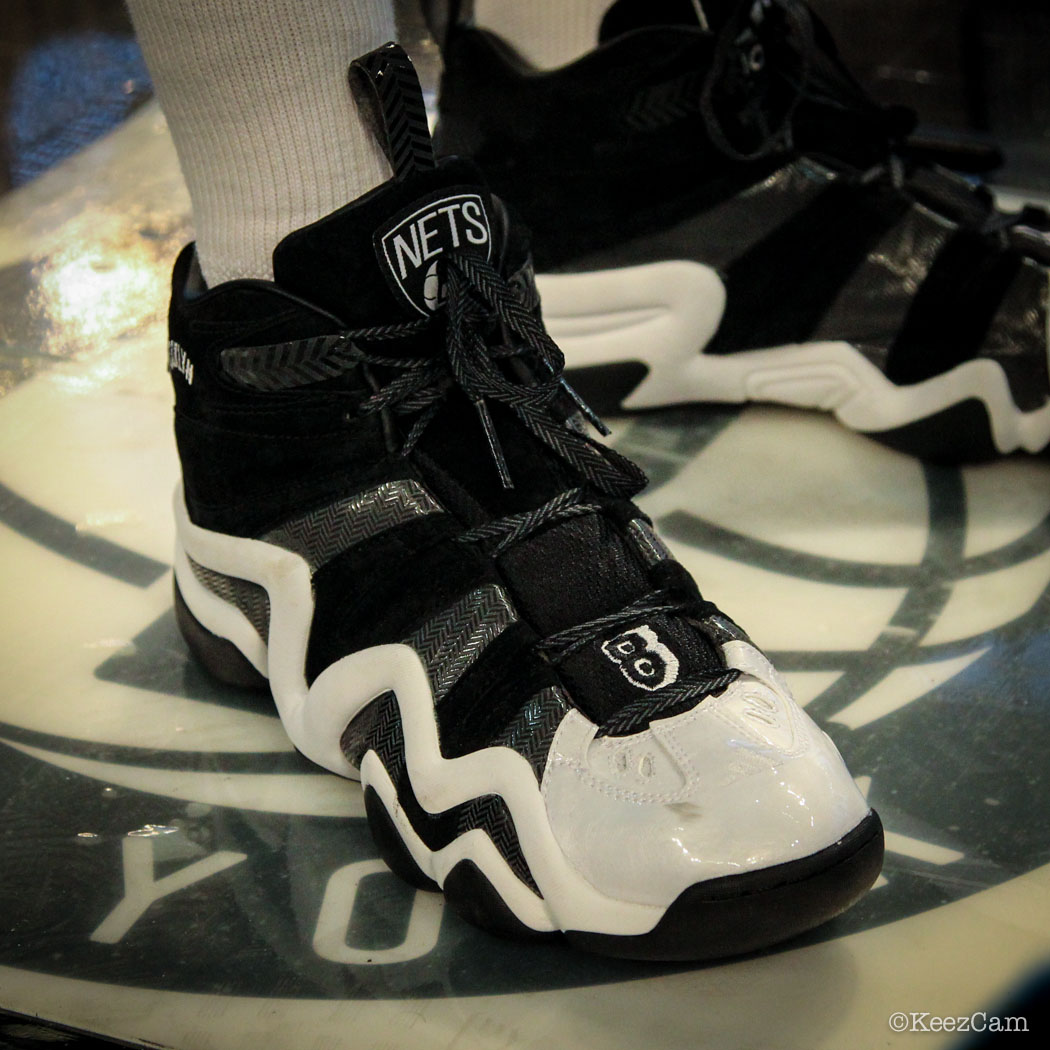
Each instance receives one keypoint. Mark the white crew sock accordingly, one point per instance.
(255, 93)
(547, 33)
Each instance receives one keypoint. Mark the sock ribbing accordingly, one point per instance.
(267, 134)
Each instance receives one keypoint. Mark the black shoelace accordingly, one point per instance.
(487, 327)
(496, 350)
(745, 84)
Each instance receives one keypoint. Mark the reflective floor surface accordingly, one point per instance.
(173, 873)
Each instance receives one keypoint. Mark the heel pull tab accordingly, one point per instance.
(387, 90)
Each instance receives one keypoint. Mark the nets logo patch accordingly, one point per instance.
(411, 246)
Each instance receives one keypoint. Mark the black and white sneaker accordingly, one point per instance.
(720, 213)
(391, 515)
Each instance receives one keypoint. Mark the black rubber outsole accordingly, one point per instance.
(714, 919)
(711, 920)
(743, 913)
(219, 657)
(961, 433)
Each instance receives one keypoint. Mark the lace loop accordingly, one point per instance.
(562, 644)
(516, 527)
(741, 78)
(669, 700)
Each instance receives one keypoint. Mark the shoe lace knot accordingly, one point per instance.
(495, 350)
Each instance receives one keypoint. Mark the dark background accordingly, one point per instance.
(69, 71)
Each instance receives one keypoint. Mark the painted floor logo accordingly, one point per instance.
(244, 888)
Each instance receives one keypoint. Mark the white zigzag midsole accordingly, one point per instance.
(315, 716)
(663, 314)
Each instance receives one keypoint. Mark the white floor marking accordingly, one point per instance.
(786, 614)
(330, 935)
(69, 620)
(305, 794)
(1004, 500)
(806, 686)
(990, 600)
(920, 850)
(864, 503)
(141, 889)
(907, 846)
(902, 686)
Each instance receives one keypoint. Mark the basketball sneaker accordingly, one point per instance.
(720, 213)
(392, 516)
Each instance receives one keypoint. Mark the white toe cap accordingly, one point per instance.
(741, 782)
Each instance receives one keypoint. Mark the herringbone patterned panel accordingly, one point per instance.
(531, 731)
(451, 641)
(249, 597)
(323, 533)
(392, 78)
(490, 814)
(281, 366)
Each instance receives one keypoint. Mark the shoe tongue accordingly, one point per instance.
(585, 568)
(378, 260)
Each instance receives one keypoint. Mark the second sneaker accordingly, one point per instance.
(720, 213)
